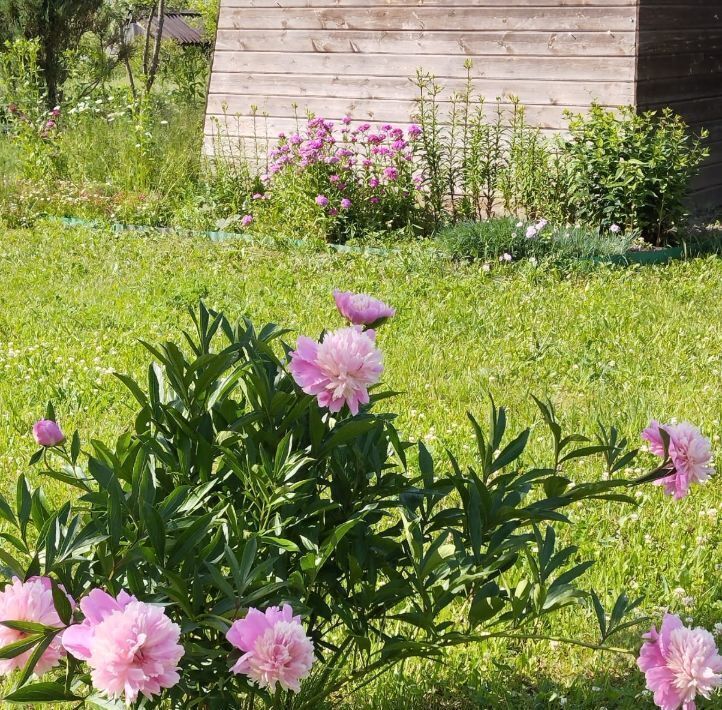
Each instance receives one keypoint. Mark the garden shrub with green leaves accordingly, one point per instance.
(254, 475)
(477, 160)
(24, 116)
(632, 169)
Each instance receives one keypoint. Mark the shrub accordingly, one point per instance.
(351, 180)
(234, 490)
(504, 237)
(631, 169)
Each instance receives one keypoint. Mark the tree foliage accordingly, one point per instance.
(59, 26)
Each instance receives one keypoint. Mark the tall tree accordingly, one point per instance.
(58, 24)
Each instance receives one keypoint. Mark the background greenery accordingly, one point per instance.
(621, 344)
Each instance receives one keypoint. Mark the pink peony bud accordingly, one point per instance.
(362, 309)
(47, 433)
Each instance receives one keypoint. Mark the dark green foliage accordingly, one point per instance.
(59, 26)
(233, 489)
(489, 240)
(631, 169)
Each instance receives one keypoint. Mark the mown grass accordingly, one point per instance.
(616, 344)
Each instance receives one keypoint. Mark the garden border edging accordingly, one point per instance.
(644, 258)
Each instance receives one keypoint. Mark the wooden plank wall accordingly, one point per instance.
(355, 57)
(680, 65)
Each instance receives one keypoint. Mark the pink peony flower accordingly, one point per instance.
(96, 607)
(689, 452)
(276, 649)
(362, 309)
(29, 601)
(340, 369)
(679, 663)
(46, 432)
(134, 651)
(321, 200)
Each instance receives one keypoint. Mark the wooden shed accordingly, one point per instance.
(355, 57)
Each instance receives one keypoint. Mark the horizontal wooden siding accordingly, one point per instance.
(350, 57)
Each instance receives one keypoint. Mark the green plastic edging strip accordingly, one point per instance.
(658, 256)
(216, 236)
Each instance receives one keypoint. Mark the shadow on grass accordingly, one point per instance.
(504, 688)
(704, 239)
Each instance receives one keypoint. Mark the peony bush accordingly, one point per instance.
(263, 536)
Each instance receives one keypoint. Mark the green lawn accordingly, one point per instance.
(617, 344)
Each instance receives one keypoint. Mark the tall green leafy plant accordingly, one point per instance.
(477, 158)
(32, 129)
(631, 169)
(232, 489)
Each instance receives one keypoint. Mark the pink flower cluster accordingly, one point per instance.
(690, 455)
(132, 648)
(30, 601)
(341, 368)
(534, 230)
(350, 166)
(275, 648)
(680, 663)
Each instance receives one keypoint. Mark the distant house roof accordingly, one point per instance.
(178, 25)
